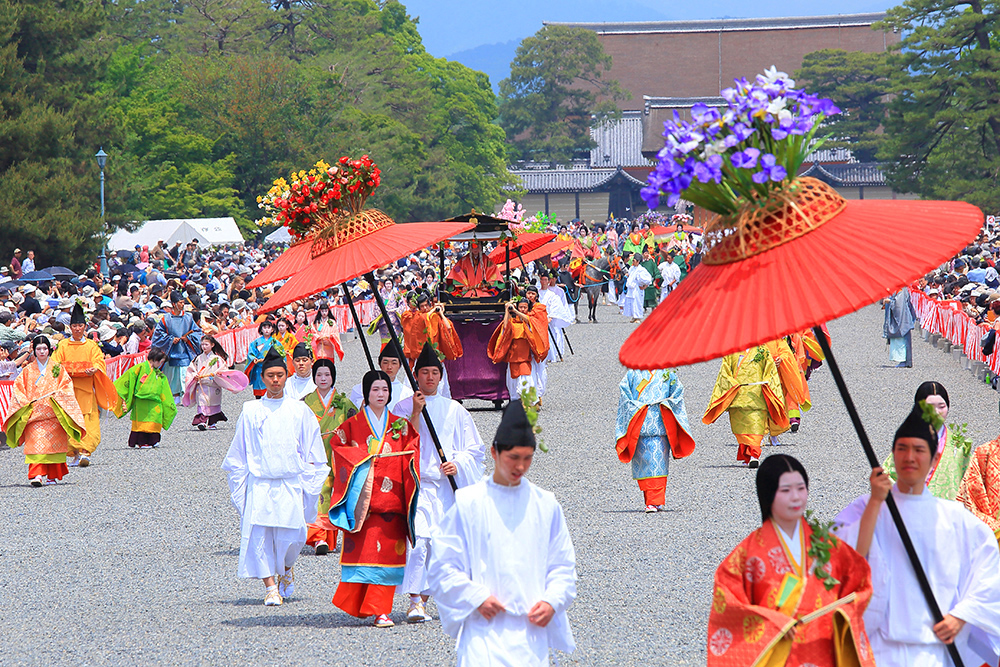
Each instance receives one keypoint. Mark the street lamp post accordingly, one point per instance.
(102, 159)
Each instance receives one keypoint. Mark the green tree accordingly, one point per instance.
(858, 83)
(556, 92)
(943, 126)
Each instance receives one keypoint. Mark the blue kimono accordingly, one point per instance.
(649, 437)
(180, 354)
(255, 355)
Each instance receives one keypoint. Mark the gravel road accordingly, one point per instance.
(133, 560)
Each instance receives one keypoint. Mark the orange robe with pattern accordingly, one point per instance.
(92, 391)
(472, 279)
(430, 327)
(539, 315)
(756, 605)
(980, 488)
(515, 342)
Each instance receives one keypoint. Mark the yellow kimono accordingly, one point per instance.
(749, 389)
(793, 379)
(92, 391)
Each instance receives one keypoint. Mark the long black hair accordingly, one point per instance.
(769, 474)
(369, 379)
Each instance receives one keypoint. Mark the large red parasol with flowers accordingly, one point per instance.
(784, 253)
(285, 266)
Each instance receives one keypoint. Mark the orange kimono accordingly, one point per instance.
(515, 342)
(980, 488)
(92, 391)
(793, 380)
(474, 279)
(430, 327)
(770, 611)
(539, 315)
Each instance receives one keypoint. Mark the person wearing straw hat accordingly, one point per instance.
(83, 360)
(959, 554)
(276, 469)
(503, 566)
(378, 451)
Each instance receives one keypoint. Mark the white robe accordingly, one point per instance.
(464, 447)
(960, 556)
(631, 302)
(297, 387)
(400, 390)
(671, 274)
(512, 543)
(561, 315)
(276, 466)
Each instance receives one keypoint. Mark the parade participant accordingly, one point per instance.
(775, 600)
(650, 438)
(558, 312)
(980, 489)
(503, 567)
(749, 389)
(955, 450)
(283, 334)
(326, 334)
(516, 342)
(651, 295)
(958, 552)
(179, 335)
(276, 469)
(900, 318)
(259, 348)
(301, 383)
(474, 275)
(390, 361)
(635, 285)
(464, 451)
(145, 392)
(539, 314)
(793, 383)
(44, 415)
(376, 458)
(206, 377)
(330, 408)
(83, 360)
(670, 273)
(424, 323)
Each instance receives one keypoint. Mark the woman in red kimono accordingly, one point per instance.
(775, 604)
(376, 473)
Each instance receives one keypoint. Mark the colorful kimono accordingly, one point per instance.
(92, 391)
(255, 355)
(749, 389)
(206, 377)
(980, 490)
(761, 592)
(376, 481)
(474, 279)
(430, 327)
(331, 414)
(145, 392)
(44, 415)
(517, 343)
(945, 479)
(179, 354)
(326, 339)
(793, 380)
(649, 438)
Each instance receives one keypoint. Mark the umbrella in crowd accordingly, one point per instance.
(524, 243)
(37, 277)
(788, 256)
(60, 272)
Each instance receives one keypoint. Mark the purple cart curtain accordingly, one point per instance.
(473, 375)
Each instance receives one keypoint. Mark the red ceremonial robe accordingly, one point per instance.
(376, 478)
(759, 605)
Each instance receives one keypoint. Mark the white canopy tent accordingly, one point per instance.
(208, 231)
(280, 235)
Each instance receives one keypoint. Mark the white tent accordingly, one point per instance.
(208, 231)
(280, 235)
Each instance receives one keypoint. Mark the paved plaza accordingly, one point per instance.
(133, 560)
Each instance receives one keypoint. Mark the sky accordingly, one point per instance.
(484, 34)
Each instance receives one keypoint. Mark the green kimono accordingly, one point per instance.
(145, 392)
(330, 415)
(651, 295)
(943, 481)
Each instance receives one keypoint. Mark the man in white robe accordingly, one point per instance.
(635, 285)
(503, 568)
(301, 382)
(670, 273)
(957, 550)
(464, 449)
(276, 466)
(561, 315)
(390, 360)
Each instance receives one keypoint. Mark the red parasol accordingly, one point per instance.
(550, 248)
(659, 230)
(830, 271)
(286, 265)
(526, 242)
(359, 255)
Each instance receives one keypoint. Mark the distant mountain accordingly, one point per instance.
(493, 59)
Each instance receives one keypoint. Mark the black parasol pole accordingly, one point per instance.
(552, 336)
(413, 381)
(568, 344)
(890, 502)
(357, 323)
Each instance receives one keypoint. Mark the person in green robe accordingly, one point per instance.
(651, 295)
(331, 408)
(144, 391)
(943, 480)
